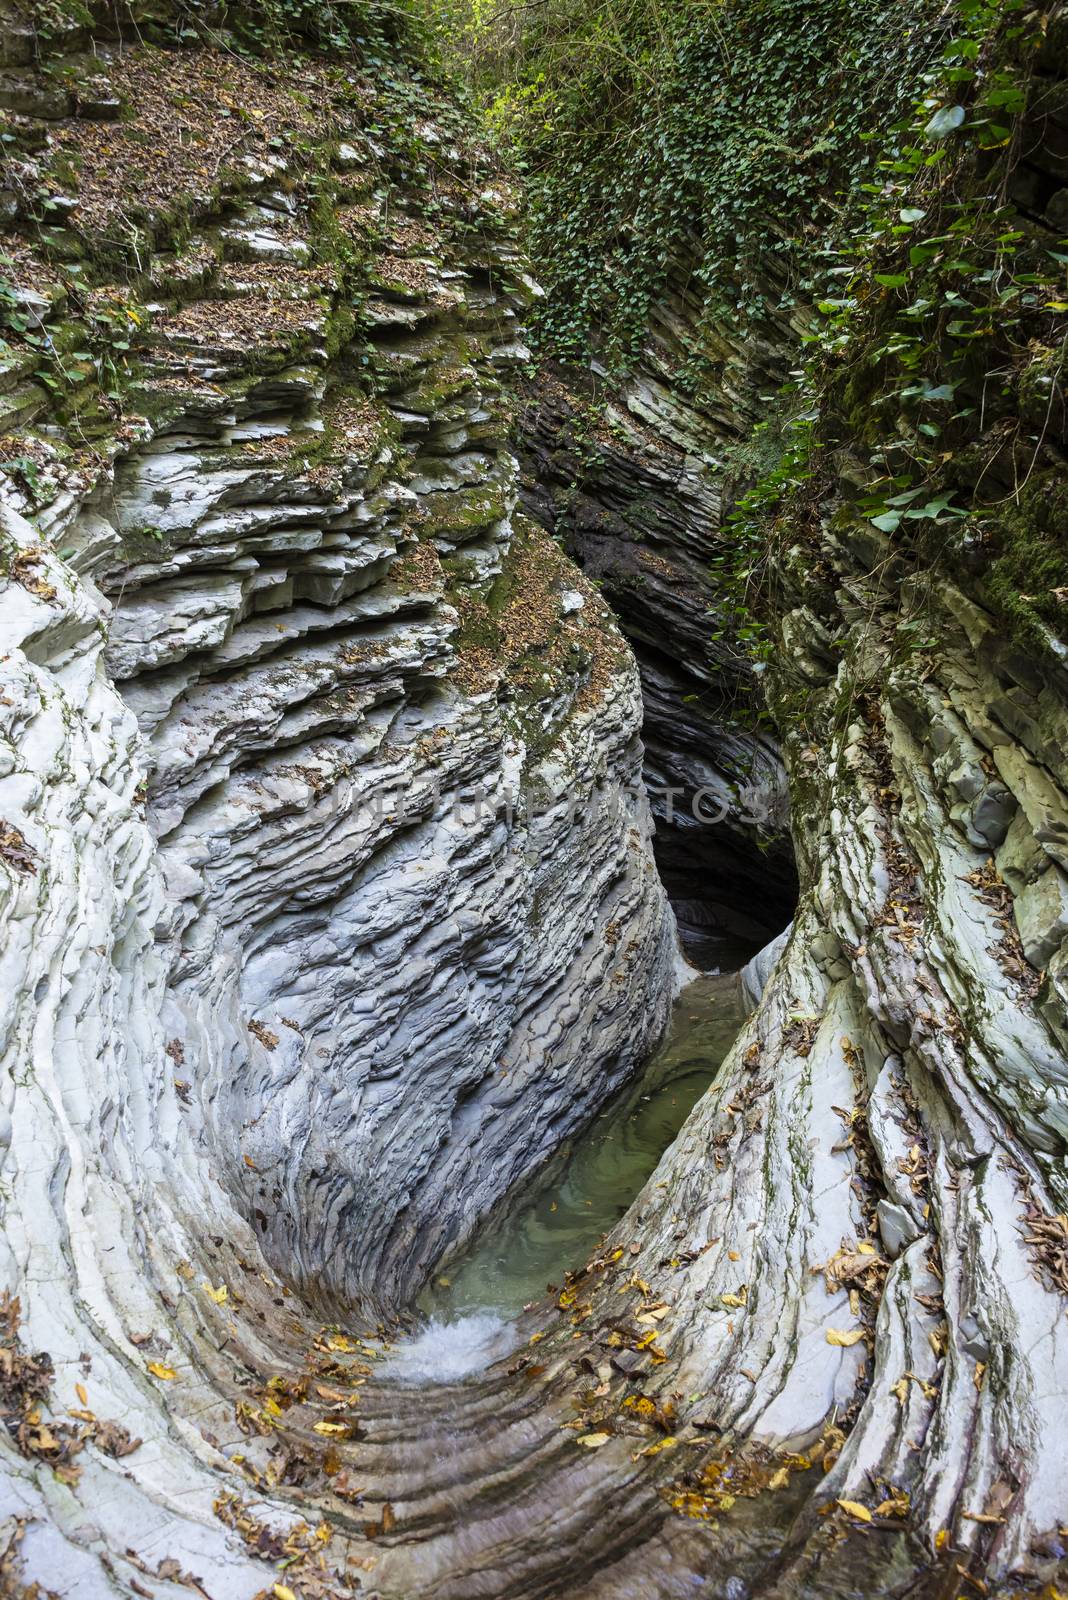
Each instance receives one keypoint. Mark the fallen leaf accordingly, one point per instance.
(854, 1336)
(661, 1444)
(158, 1370)
(854, 1509)
(593, 1441)
(337, 1430)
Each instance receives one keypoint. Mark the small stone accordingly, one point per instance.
(896, 1227)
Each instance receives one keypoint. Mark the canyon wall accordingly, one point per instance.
(296, 991)
(330, 907)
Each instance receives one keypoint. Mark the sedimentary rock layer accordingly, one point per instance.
(633, 478)
(330, 905)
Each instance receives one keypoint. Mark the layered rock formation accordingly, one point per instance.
(631, 476)
(280, 1039)
(330, 903)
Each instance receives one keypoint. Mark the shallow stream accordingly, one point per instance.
(583, 1192)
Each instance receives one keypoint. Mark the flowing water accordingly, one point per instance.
(558, 1219)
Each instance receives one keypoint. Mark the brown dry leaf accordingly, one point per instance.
(115, 1440)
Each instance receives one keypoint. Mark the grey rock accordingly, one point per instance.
(896, 1227)
(1041, 911)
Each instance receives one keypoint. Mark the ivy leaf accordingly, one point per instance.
(892, 280)
(912, 213)
(887, 522)
(944, 122)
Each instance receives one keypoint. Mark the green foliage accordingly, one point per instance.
(938, 354)
(937, 349)
(673, 146)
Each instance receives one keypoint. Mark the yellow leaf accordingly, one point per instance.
(219, 1295)
(733, 1300)
(332, 1427)
(80, 1391)
(779, 1480)
(901, 1389)
(940, 1538)
(593, 1441)
(855, 1509)
(158, 1370)
(282, 1591)
(640, 1403)
(854, 1336)
(662, 1444)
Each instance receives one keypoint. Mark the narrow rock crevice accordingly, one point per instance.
(636, 503)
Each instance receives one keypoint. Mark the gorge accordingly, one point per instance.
(360, 673)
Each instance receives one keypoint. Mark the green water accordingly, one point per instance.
(557, 1221)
